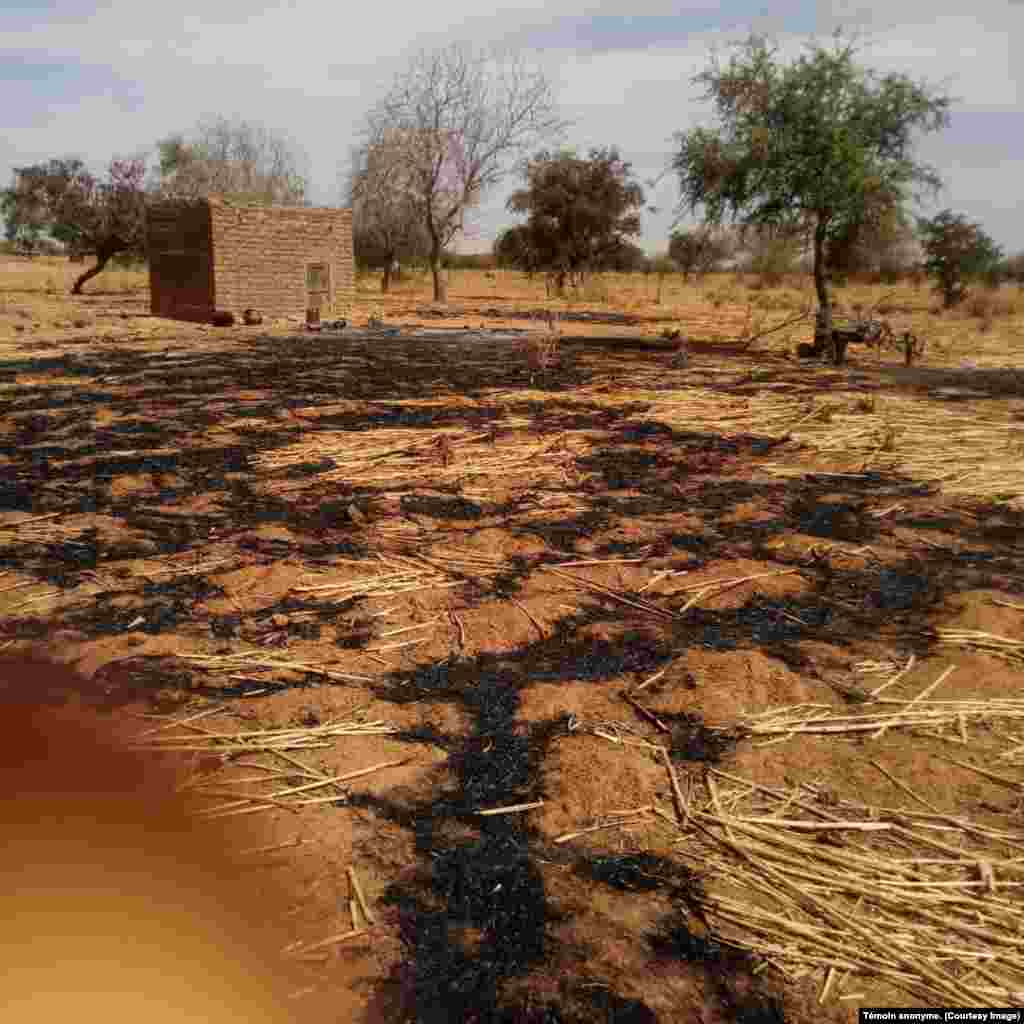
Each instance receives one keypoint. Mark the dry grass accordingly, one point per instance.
(945, 445)
(978, 454)
(984, 332)
(53, 276)
(989, 304)
(836, 888)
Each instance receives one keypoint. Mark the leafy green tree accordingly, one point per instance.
(91, 217)
(817, 145)
(580, 213)
(956, 250)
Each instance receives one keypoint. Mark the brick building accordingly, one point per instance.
(219, 256)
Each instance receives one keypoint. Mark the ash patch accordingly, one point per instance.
(629, 873)
(900, 591)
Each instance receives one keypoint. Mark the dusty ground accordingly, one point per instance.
(425, 530)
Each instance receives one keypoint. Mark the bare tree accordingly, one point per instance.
(456, 119)
(234, 158)
(385, 216)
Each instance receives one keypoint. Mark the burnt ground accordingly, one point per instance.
(153, 507)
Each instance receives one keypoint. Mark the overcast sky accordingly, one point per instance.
(81, 80)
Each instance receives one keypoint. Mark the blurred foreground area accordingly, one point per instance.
(117, 904)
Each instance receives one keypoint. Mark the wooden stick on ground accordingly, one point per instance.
(682, 809)
(906, 789)
(644, 713)
(511, 808)
(626, 818)
(360, 896)
(896, 678)
(333, 940)
(526, 612)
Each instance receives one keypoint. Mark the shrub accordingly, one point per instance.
(956, 250)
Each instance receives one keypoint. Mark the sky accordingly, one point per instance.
(77, 79)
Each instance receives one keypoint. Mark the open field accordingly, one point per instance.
(630, 688)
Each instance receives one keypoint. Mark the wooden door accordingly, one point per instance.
(318, 291)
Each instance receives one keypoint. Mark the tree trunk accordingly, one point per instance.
(437, 271)
(440, 284)
(102, 259)
(823, 324)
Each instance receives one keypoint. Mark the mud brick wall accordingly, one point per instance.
(260, 255)
(181, 283)
(215, 255)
